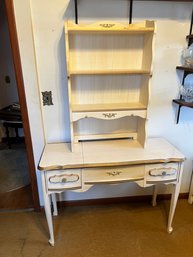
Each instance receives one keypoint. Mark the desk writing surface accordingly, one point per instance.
(107, 153)
(123, 152)
(59, 156)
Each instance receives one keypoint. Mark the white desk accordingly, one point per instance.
(114, 161)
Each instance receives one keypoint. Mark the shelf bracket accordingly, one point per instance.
(130, 11)
(76, 10)
(190, 33)
(178, 114)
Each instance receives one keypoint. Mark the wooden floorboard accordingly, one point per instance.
(17, 199)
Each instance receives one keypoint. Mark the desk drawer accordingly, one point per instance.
(113, 174)
(166, 172)
(63, 179)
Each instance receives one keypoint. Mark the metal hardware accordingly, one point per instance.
(114, 173)
(109, 115)
(64, 178)
(76, 11)
(107, 25)
(130, 11)
(47, 98)
(191, 24)
(162, 172)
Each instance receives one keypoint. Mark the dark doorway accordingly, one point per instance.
(19, 189)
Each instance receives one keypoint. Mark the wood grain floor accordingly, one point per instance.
(17, 199)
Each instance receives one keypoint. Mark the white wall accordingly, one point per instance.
(27, 55)
(173, 22)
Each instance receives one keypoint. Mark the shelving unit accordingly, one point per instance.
(186, 71)
(108, 69)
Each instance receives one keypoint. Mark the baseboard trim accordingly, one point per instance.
(116, 200)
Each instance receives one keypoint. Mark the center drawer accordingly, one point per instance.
(113, 174)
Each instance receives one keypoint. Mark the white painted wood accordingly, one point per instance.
(174, 199)
(108, 153)
(107, 115)
(113, 128)
(63, 179)
(142, 27)
(124, 151)
(114, 161)
(106, 72)
(110, 89)
(126, 135)
(59, 156)
(165, 172)
(115, 174)
(47, 207)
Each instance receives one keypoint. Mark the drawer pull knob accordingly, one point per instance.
(114, 173)
(160, 172)
(64, 178)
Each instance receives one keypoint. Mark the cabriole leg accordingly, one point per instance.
(47, 207)
(174, 199)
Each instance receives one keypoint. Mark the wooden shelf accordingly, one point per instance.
(111, 27)
(185, 68)
(189, 37)
(107, 107)
(183, 103)
(103, 72)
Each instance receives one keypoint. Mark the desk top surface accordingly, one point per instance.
(107, 153)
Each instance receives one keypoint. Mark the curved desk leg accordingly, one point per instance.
(174, 199)
(47, 206)
(154, 198)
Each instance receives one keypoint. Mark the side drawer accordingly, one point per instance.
(63, 179)
(113, 174)
(156, 173)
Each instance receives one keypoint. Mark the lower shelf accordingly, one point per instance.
(131, 128)
(181, 103)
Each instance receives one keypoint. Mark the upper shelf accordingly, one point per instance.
(138, 28)
(103, 72)
(107, 107)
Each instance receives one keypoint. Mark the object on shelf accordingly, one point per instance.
(186, 90)
(187, 56)
(187, 93)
